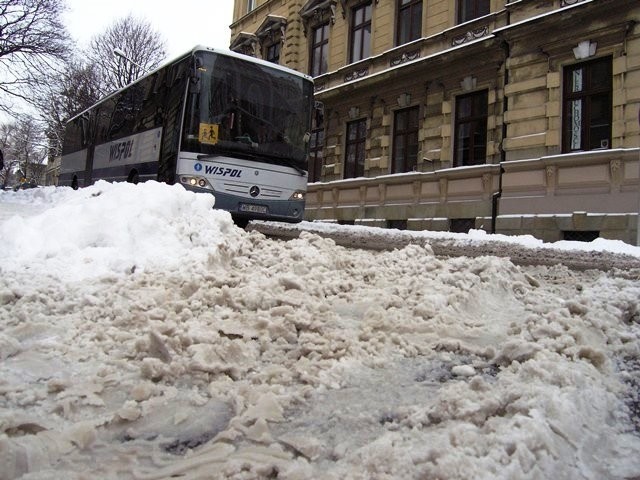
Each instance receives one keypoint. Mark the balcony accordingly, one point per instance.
(378, 67)
(452, 193)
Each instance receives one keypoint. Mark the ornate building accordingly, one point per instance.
(514, 116)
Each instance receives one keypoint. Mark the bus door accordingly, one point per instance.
(89, 128)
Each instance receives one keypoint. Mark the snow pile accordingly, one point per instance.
(112, 228)
(248, 358)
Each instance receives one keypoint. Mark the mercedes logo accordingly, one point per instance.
(254, 191)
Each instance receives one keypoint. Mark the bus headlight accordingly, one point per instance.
(297, 195)
(191, 181)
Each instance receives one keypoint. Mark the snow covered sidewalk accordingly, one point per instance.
(522, 250)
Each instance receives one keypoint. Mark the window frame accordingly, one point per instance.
(321, 47)
(411, 5)
(269, 48)
(316, 147)
(358, 31)
(591, 91)
(403, 137)
(468, 10)
(355, 168)
(478, 121)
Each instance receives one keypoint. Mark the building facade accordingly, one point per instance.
(514, 116)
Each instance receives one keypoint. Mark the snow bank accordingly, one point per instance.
(112, 228)
(225, 354)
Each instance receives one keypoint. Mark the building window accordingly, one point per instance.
(409, 21)
(397, 224)
(356, 137)
(462, 225)
(316, 146)
(580, 236)
(320, 50)
(251, 4)
(471, 129)
(470, 9)
(405, 140)
(587, 106)
(360, 32)
(272, 52)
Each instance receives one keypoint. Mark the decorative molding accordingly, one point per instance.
(585, 49)
(468, 83)
(417, 190)
(471, 35)
(551, 174)
(382, 192)
(404, 100)
(356, 74)
(405, 57)
(550, 171)
(566, 3)
(316, 12)
(615, 167)
(343, 4)
(245, 43)
(443, 185)
(487, 182)
(272, 28)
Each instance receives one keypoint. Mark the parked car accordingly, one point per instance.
(25, 186)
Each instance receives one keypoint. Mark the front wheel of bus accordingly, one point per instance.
(240, 222)
(133, 177)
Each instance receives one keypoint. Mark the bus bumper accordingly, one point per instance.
(291, 211)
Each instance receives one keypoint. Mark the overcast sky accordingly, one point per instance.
(183, 24)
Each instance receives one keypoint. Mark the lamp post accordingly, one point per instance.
(119, 53)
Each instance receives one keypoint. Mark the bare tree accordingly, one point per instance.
(143, 47)
(74, 90)
(10, 161)
(84, 82)
(24, 149)
(32, 41)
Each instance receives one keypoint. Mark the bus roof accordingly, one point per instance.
(231, 53)
(198, 48)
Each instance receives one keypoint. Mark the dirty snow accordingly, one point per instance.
(144, 336)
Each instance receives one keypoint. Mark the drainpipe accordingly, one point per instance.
(503, 156)
(638, 224)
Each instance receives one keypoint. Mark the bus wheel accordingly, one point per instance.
(74, 183)
(133, 177)
(240, 222)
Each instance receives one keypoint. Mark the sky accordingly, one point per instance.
(183, 24)
(144, 336)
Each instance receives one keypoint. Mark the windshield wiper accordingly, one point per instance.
(228, 151)
(287, 163)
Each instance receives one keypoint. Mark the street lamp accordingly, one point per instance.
(119, 53)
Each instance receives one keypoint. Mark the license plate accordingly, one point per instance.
(249, 207)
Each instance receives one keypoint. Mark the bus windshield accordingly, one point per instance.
(240, 108)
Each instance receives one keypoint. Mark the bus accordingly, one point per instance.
(213, 121)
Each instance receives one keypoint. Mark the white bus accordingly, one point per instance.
(212, 120)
